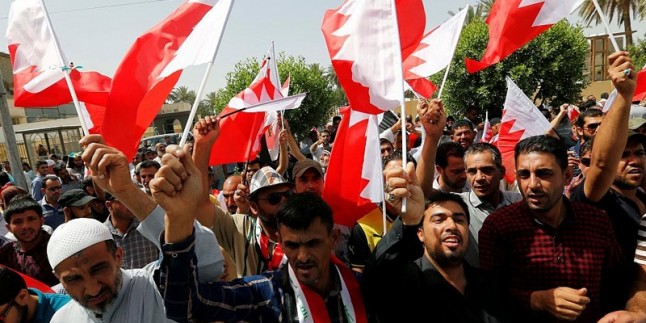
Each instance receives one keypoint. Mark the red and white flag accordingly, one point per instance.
(354, 180)
(520, 119)
(240, 132)
(487, 132)
(272, 135)
(37, 69)
(573, 113)
(436, 49)
(422, 87)
(368, 43)
(513, 23)
(154, 63)
(640, 90)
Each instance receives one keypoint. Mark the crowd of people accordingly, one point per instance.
(156, 238)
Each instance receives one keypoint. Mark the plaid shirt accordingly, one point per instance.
(137, 250)
(526, 255)
(260, 298)
(32, 262)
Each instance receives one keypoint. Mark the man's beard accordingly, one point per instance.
(101, 308)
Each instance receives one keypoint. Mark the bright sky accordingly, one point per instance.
(97, 33)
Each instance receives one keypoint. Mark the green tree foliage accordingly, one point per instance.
(638, 54)
(620, 10)
(550, 68)
(317, 107)
(181, 94)
(478, 12)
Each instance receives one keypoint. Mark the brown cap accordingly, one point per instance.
(303, 165)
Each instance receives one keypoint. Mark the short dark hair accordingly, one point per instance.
(149, 164)
(335, 118)
(20, 205)
(397, 155)
(543, 144)
(11, 283)
(440, 197)
(40, 162)
(481, 147)
(59, 167)
(325, 130)
(604, 95)
(50, 178)
(461, 124)
(446, 150)
(4, 178)
(302, 209)
(589, 113)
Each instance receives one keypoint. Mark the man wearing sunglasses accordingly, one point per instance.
(52, 210)
(19, 304)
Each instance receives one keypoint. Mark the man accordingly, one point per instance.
(20, 304)
(552, 258)
(147, 171)
(436, 283)
(99, 211)
(68, 182)
(76, 204)
(252, 167)
(325, 161)
(43, 168)
(52, 210)
(463, 133)
(386, 147)
(322, 144)
(449, 164)
(312, 285)
(24, 218)
(308, 177)
(587, 125)
(160, 149)
(472, 114)
(495, 127)
(228, 192)
(617, 170)
(30, 175)
(637, 120)
(122, 223)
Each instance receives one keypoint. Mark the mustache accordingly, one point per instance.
(102, 292)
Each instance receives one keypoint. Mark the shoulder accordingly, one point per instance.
(506, 214)
(70, 312)
(512, 196)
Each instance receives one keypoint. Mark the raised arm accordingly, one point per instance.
(283, 158)
(433, 119)
(557, 121)
(205, 133)
(610, 140)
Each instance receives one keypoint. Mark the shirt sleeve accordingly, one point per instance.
(640, 252)
(186, 299)
(359, 251)
(207, 250)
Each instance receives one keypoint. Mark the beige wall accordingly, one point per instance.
(596, 88)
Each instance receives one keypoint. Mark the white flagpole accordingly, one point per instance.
(200, 91)
(278, 84)
(399, 75)
(446, 73)
(606, 25)
(66, 71)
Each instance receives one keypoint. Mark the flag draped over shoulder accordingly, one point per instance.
(513, 23)
(353, 180)
(239, 133)
(154, 63)
(361, 37)
(37, 72)
(520, 120)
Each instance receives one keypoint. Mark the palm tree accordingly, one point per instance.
(182, 94)
(477, 12)
(622, 10)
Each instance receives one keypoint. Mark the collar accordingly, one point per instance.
(477, 202)
(569, 218)
(41, 244)
(133, 225)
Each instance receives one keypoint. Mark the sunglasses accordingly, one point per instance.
(275, 197)
(4, 314)
(585, 161)
(55, 188)
(593, 126)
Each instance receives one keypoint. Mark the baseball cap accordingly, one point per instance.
(641, 137)
(637, 116)
(264, 178)
(75, 197)
(302, 166)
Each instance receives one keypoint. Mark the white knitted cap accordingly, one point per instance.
(74, 236)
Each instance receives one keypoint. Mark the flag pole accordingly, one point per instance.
(606, 25)
(66, 70)
(277, 82)
(448, 67)
(399, 75)
(200, 91)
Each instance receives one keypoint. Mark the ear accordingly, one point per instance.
(22, 298)
(420, 233)
(254, 206)
(438, 169)
(336, 233)
(579, 131)
(68, 214)
(119, 257)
